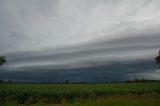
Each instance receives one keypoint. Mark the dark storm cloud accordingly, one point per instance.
(78, 39)
(117, 71)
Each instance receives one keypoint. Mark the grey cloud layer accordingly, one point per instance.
(28, 25)
(75, 34)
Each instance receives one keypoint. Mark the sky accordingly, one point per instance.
(79, 40)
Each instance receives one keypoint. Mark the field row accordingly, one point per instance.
(32, 93)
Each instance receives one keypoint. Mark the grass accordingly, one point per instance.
(119, 100)
(113, 94)
(112, 100)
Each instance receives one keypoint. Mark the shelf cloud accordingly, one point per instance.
(78, 40)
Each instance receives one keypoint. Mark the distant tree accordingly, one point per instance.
(1, 81)
(136, 80)
(129, 81)
(158, 58)
(66, 81)
(2, 60)
(9, 81)
(143, 80)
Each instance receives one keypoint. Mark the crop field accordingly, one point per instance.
(113, 94)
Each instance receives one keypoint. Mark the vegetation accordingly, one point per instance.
(119, 100)
(2, 60)
(158, 58)
(141, 80)
(70, 94)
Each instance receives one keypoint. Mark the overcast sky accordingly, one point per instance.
(92, 40)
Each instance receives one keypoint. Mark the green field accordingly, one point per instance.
(113, 94)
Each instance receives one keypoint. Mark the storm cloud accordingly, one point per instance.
(79, 40)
